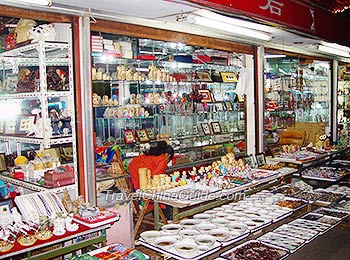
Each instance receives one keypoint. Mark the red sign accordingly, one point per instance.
(289, 13)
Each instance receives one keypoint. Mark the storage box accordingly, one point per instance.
(59, 183)
(183, 58)
(62, 173)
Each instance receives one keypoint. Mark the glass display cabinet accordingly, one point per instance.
(147, 90)
(296, 90)
(343, 103)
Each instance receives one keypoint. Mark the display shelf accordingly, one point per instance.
(106, 178)
(33, 185)
(50, 91)
(33, 95)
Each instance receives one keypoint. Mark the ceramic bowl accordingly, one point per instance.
(150, 235)
(220, 234)
(203, 248)
(203, 217)
(211, 212)
(221, 215)
(189, 223)
(220, 222)
(237, 227)
(189, 233)
(205, 240)
(205, 227)
(165, 241)
(171, 229)
(185, 246)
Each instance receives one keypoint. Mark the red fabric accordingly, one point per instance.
(17, 246)
(156, 164)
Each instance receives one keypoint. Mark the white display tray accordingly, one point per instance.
(283, 251)
(346, 214)
(172, 252)
(235, 239)
(311, 225)
(306, 234)
(278, 238)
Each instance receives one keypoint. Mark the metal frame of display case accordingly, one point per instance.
(41, 54)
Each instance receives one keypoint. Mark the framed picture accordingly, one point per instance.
(206, 96)
(3, 166)
(275, 150)
(10, 126)
(142, 135)
(24, 123)
(228, 106)
(206, 128)
(219, 106)
(249, 159)
(203, 76)
(6, 205)
(129, 136)
(229, 77)
(260, 159)
(216, 127)
(150, 132)
(2, 126)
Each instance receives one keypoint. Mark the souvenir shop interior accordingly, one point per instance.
(259, 126)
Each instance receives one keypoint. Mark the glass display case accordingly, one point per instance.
(147, 90)
(295, 90)
(343, 103)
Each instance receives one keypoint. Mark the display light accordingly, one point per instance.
(37, 2)
(235, 26)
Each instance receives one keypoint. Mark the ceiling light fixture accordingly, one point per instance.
(234, 21)
(334, 51)
(37, 2)
(227, 24)
(273, 56)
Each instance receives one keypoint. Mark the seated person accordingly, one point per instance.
(156, 160)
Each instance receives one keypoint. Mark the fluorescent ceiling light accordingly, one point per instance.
(336, 46)
(272, 56)
(234, 29)
(334, 51)
(234, 21)
(37, 2)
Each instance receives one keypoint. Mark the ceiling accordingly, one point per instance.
(163, 14)
(340, 7)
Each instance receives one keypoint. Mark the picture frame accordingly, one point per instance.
(275, 149)
(228, 106)
(206, 95)
(216, 127)
(230, 77)
(203, 76)
(24, 123)
(10, 126)
(6, 205)
(206, 128)
(3, 166)
(249, 159)
(150, 132)
(129, 136)
(142, 135)
(260, 159)
(2, 126)
(219, 106)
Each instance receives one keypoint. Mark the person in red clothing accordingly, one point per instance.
(156, 159)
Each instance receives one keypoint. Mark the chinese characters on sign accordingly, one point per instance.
(273, 6)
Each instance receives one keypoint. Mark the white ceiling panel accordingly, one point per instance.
(150, 9)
